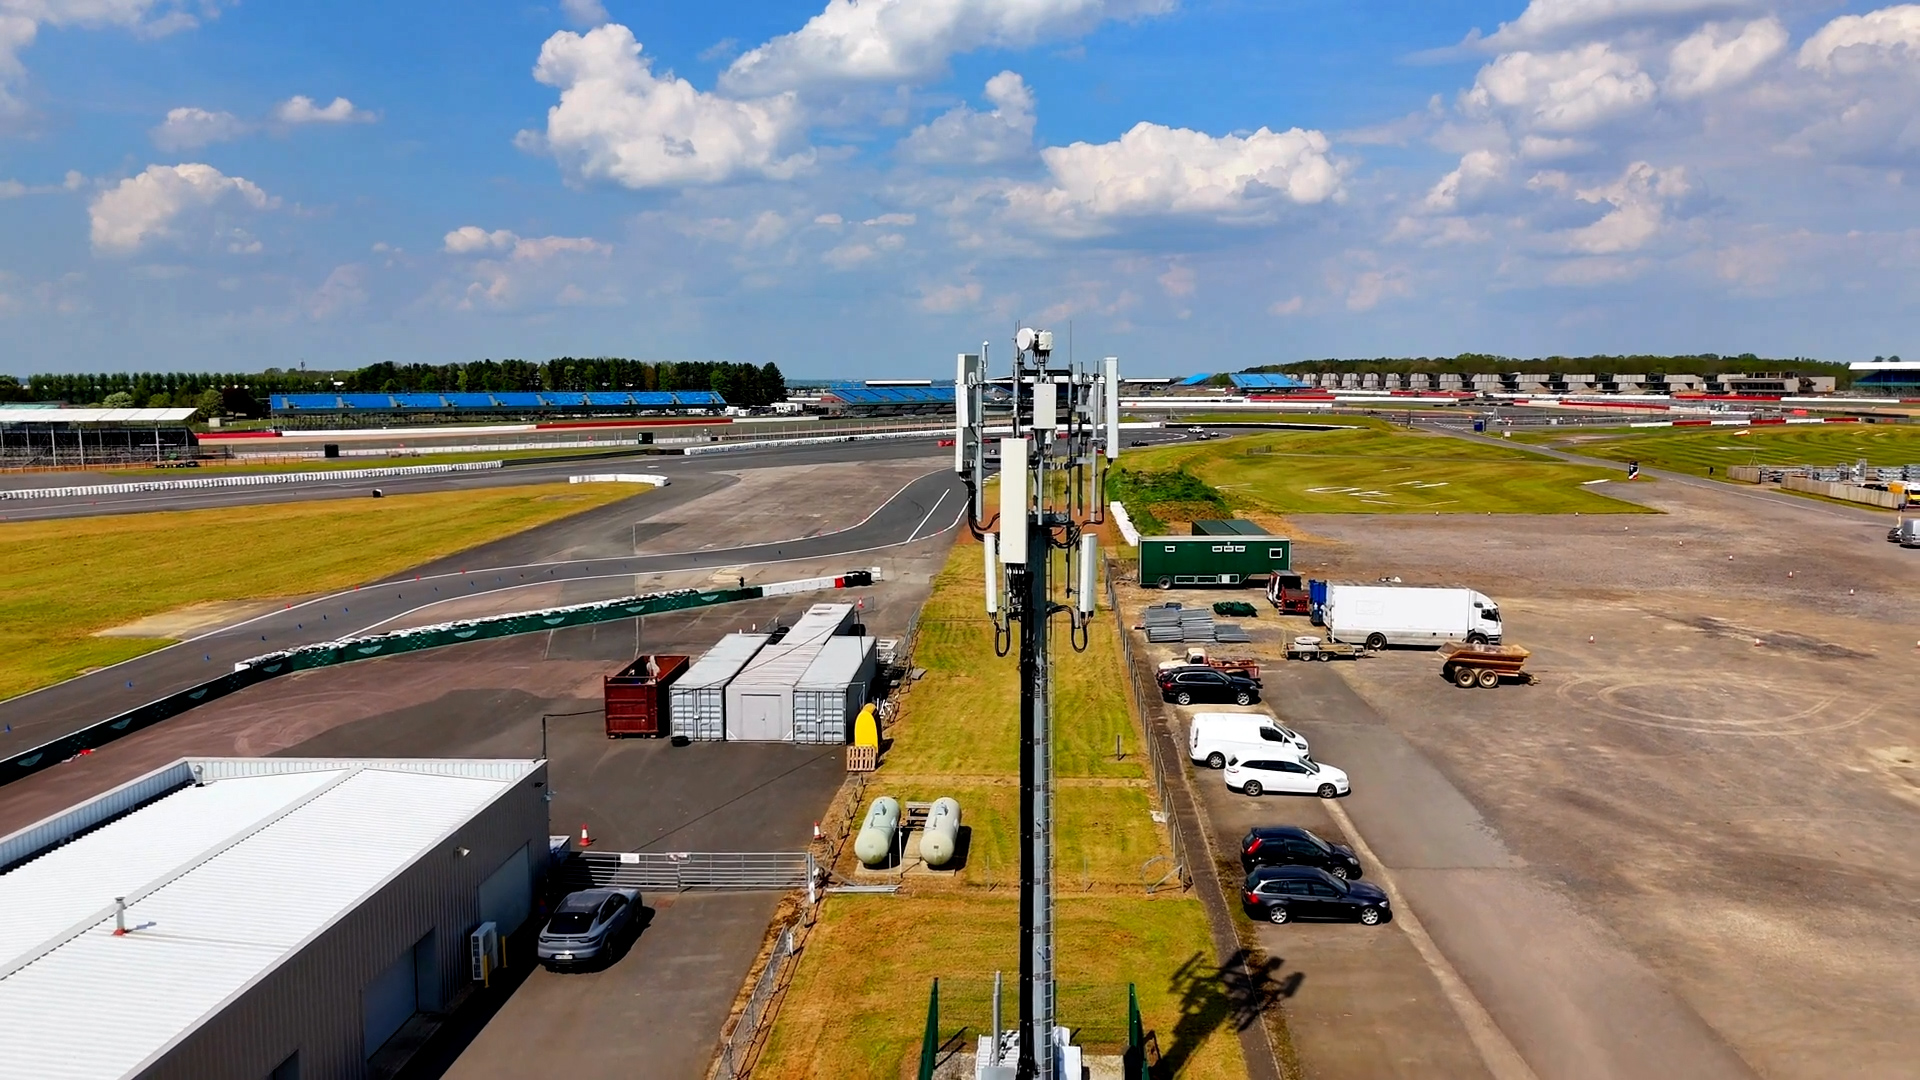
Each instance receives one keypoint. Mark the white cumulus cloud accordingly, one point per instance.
(618, 121)
(1855, 43)
(145, 208)
(1564, 91)
(587, 13)
(965, 137)
(1554, 21)
(301, 109)
(188, 128)
(1478, 170)
(1640, 199)
(1155, 170)
(20, 22)
(911, 40)
(1721, 55)
(473, 240)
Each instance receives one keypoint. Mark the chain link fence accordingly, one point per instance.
(741, 1045)
(1161, 871)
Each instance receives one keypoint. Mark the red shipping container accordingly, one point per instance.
(636, 696)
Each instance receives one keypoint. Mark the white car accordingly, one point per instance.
(1289, 776)
(1213, 737)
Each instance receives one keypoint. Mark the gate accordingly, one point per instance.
(678, 871)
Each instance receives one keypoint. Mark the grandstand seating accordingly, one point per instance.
(502, 401)
(1196, 380)
(1267, 382)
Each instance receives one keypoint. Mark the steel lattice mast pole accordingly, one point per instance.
(1050, 485)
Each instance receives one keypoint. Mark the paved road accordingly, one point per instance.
(1566, 993)
(598, 544)
(679, 469)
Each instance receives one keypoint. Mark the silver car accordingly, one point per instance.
(585, 926)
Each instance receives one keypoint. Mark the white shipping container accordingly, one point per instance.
(1377, 615)
(697, 700)
(830, 694)
(760, 697)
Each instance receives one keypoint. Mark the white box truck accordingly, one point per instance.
(1382, 615)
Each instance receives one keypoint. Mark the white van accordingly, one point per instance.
(1213, 737)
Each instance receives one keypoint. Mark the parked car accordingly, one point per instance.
(1281, 894)
(1291, 845)
(1288, 776)
(1214, 737)
(1186, 685)
(585, 926)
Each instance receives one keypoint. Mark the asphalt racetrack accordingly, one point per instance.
(598, 544)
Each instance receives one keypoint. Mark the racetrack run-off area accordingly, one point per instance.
(1695, 450)
(857, 1005)
(1377, 469)
(70, 580)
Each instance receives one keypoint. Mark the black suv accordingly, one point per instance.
(1290, 845)
(1281, 894)
(1186, 685)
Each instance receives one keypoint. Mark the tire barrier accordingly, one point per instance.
(346, 650)
(812, 440)
(655, 479)
(251, 480)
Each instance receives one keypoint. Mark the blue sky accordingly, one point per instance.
(865, 189)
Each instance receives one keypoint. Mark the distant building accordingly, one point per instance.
(1890, 378)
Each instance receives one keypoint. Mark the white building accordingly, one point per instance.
(257, 918)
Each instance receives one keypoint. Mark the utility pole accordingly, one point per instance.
(1052, 485)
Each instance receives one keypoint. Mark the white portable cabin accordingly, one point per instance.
(760, 697)
(830, 694)
(697, 700)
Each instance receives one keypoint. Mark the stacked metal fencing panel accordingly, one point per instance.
(832, 690)
(1167, 624)
(697, 701)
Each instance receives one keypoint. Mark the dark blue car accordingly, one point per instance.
(1282, 894)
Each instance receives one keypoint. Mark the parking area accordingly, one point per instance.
(1699, 827)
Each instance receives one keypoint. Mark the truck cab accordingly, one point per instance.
(1287, 592)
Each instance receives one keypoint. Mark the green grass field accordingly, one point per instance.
(858, 1000)
(69, 579)
(1378, 469)
(1694, 450)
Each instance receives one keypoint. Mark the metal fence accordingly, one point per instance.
(681, 870)
(1154, 873)
(737, 1048)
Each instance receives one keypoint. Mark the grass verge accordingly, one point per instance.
(857, 1003)
(1695, 450)
(1366, 470)
(70, 578)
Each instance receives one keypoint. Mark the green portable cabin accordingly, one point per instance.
(1167, 561)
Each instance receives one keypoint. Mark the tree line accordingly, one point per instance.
(738, 383)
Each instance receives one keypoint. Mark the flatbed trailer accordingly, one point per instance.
(1308, 647)
(1484, 666)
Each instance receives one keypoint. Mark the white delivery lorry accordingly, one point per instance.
(1214, 737)
(1382, 615)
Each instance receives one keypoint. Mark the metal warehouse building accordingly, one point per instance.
(282, 917)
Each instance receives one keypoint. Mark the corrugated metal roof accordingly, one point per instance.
(722, 662)
(95, 416)
(223, 882)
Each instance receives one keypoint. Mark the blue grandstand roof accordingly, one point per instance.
(1196, 380)
(1267, 382)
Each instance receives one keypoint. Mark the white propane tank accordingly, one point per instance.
(941, 837)
(874, 845)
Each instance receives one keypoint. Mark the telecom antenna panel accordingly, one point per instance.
(1061, 436)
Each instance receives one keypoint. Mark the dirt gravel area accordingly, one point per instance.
(1721, 763)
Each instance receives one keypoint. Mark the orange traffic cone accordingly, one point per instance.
(585, 840)
(816, 830)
